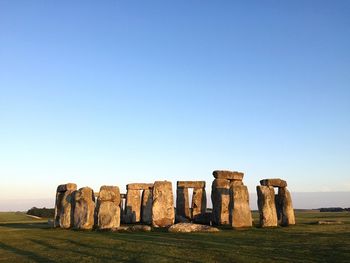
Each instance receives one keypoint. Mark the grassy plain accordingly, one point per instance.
(24, 239)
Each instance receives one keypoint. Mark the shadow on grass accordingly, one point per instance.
(39, 225)
(24, 253)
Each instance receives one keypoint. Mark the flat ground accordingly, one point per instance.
(23, 239)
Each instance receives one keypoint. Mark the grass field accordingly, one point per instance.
(23, 239)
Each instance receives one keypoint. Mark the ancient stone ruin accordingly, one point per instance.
(153, 204)
(230, 200)
(274, 209)
(63, 205)
(137, 209)
(198, 208)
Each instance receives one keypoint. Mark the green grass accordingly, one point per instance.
(33, 241)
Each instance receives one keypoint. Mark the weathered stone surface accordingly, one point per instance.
(84, 207)
(67, 187)
(284, 207)
(182, 202)
(163, 214)
(64, 205)
(240, 212)
(199, 202)
(220, 196)
(228, 175)
(132, 206)
(138, 186)
(134, 228)
(109, 193)
(329, 222)
(108, 207)
(275, 182)
(191, 184)
(189, 227)
(235, 182)
(181, 219)
(146, 206)
(266, 205)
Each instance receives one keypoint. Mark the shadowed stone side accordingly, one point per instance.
(266, 205)
(228, 175)
(240, 213)
(275, 182)
(64, 205)
(199, 203)
(285, 207)
(132, 206)
(146, 207)
(84, 207)
(182, 202)
(107, 208)
(220, 196)
(163, 214)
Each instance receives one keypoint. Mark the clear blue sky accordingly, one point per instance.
(113, 92)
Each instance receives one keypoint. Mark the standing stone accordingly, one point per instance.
(285, 207)
(132, 206)
(163, 214)
(220, 196)
(199, 203)
(64, 205)
(266, 205)
(84, 207)
(240, 213)
(182, 202)
(146, 208)
(108, 207)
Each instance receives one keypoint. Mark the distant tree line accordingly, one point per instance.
(334, 209)
(41, 212)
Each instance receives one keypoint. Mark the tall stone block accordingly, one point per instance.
(64, 205)
(108, 207)
(199, 202)
(146, 207)
(163, 214)
(133, 206)
(240, 212)
(182, 202)
(220, 196)
(285, 207)
(84, 208)
(266, 205)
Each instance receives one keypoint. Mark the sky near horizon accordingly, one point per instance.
(114, 92)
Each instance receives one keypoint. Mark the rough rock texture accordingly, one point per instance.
(138, 186)
(146, 206)
(163, 214)
(107, 208)
(132, 206)
(199, 202)
(266, 205)
(191, 184)
(64, 205)
(275, 182)
(228, 175)
(284, 207)
(189, 227)
(84, 207)
(182, 202)
(134, 228)
(181, 219)
(240, 212)
(235, 182)
(220, 196)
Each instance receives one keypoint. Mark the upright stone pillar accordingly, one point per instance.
(107, 208)
(285, 207)
(84, 208)
(182, 202)
(64, 205)
(266, 205)
(199, 203)
(146, 208)
(132, 206)
(163, 214)
(220, 196)
(240, 212)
